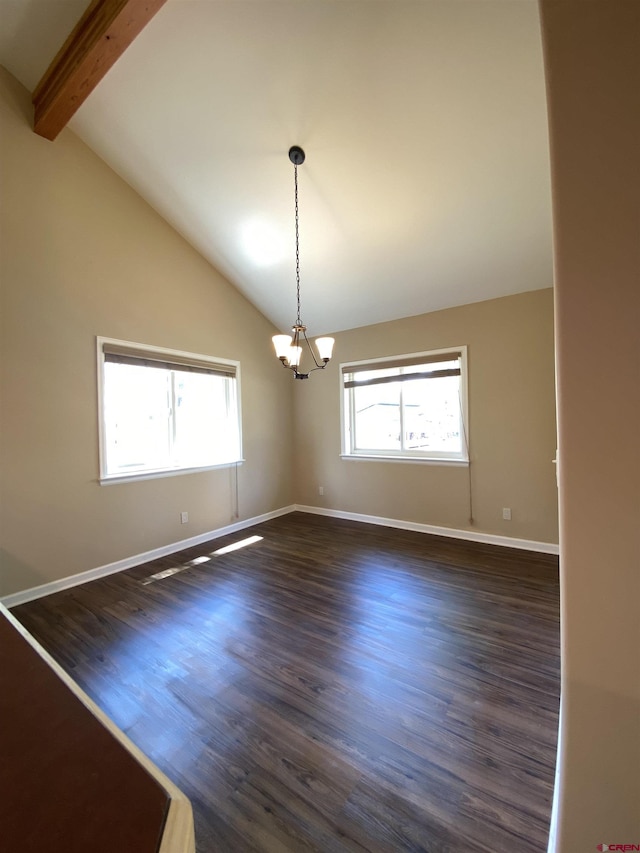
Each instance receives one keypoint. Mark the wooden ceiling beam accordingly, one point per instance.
(98, 40)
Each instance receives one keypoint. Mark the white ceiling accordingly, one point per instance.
(427, 180)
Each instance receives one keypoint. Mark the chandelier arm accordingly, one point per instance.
(294, 369)
(315, 361)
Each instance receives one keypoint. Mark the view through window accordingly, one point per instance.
(412, 406)
(165, 411)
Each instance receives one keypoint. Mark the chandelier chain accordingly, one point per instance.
(295, 167)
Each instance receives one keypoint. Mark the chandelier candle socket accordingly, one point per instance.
(289, 348)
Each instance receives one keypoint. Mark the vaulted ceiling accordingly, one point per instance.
(426, 183)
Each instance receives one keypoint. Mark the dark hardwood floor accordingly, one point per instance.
(334, 686)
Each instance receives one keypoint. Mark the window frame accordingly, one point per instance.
(431, 457)
(170, 356)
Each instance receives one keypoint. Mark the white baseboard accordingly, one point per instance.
(35, 592)
(451, 532)
(22, 597)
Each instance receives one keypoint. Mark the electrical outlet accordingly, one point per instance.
(321, 490)
(184, 517)
(506, 513)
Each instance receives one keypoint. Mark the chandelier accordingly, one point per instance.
(289, 348)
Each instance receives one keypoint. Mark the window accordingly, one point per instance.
(410, 407)
(164, 411)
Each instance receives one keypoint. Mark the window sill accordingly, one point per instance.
(426, 460)
(167, 472)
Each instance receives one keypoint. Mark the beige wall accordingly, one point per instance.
(83, 255)
(511, 414)
(592, 59)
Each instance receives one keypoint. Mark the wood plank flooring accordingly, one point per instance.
(332, 687)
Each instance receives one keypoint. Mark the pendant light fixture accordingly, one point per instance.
(289, 348)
